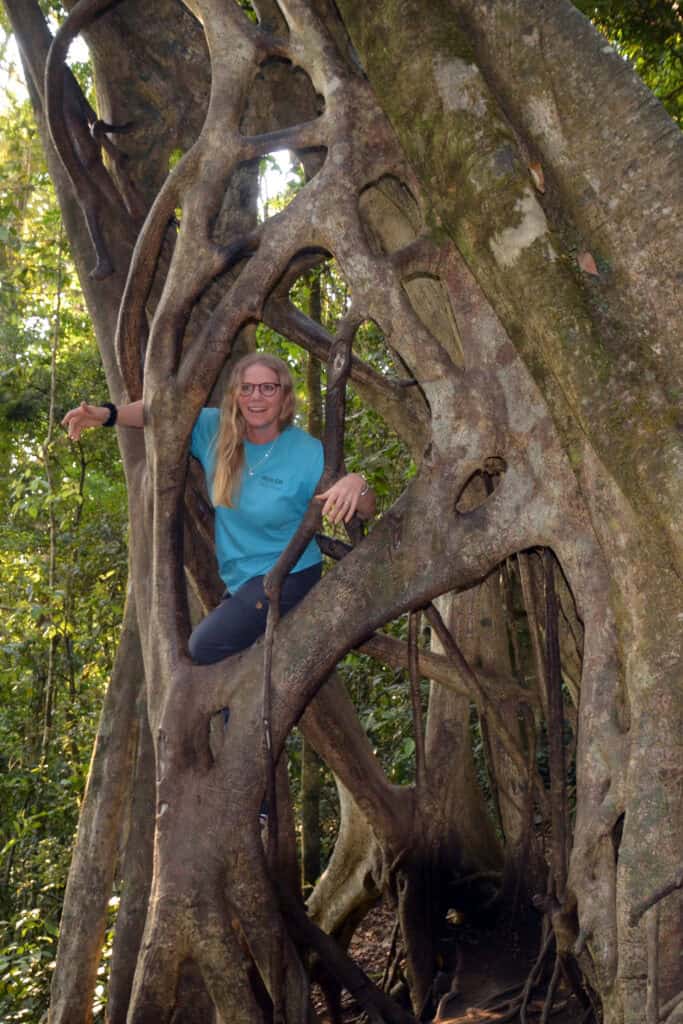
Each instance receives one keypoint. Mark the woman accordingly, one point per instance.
(261, 472)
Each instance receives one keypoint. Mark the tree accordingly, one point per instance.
(500, 195)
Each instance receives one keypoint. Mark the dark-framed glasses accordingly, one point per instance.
(267, 389)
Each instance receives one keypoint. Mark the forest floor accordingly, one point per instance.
(494, 963)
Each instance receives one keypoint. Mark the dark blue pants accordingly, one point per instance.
(240, 618)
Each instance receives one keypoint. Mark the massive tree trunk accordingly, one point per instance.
(518, 369)
(502, 87)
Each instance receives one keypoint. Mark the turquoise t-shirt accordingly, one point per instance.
(251, 536)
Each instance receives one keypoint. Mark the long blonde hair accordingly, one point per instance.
(232, 429)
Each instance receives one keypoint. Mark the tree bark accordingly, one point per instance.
(92, 871)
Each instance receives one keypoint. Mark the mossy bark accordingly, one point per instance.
(481, 92)
(453, 126)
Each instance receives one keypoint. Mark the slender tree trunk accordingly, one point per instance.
(51, 680)
(135, 873)
(95, 854)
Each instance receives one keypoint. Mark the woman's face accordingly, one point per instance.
(261, 412)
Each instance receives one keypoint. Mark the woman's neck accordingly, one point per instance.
(263, 435)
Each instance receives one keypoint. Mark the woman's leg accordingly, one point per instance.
(241, 618)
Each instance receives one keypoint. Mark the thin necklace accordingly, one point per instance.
(251, 470)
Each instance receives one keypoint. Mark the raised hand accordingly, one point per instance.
(79, 419)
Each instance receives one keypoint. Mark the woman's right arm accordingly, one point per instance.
(78, 420)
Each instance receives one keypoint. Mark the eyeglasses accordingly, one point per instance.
(267, 389)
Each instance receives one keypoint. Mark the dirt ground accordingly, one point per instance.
(493, 965)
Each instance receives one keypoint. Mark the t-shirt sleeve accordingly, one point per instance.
(203, 434)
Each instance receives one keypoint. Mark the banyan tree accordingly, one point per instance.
(501, 197)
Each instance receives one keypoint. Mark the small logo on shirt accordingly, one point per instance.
(273, 481)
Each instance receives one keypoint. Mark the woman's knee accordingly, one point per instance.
(201, 651)
(226, 631)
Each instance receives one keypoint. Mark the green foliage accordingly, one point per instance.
(248, 9)
(649, 33)
(382, 697)
(62, 566)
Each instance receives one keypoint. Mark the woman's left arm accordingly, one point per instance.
(349, 496)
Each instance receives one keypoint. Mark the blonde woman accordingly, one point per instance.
(261, 472)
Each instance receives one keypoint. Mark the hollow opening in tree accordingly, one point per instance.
(372, 446)
(248, 9)
(481, 484)
(517, 644)
(390, 215)
(281, 97)
(281, 176)
(321, 293)
(505, 656)
(429, 298)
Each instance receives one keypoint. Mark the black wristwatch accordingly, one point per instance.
(113, 413)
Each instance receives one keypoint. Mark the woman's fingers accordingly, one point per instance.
(76, 420)
(341, 499)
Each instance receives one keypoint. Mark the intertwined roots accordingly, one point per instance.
(492, 481)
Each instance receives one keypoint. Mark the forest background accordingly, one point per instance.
(63, 555)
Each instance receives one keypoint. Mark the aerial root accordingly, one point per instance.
(91, 181)
(393, 960)
(374, 1002)
(550, 994)
(659, 894)
(668, 1008)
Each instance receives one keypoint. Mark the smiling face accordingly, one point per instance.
(261, 412)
